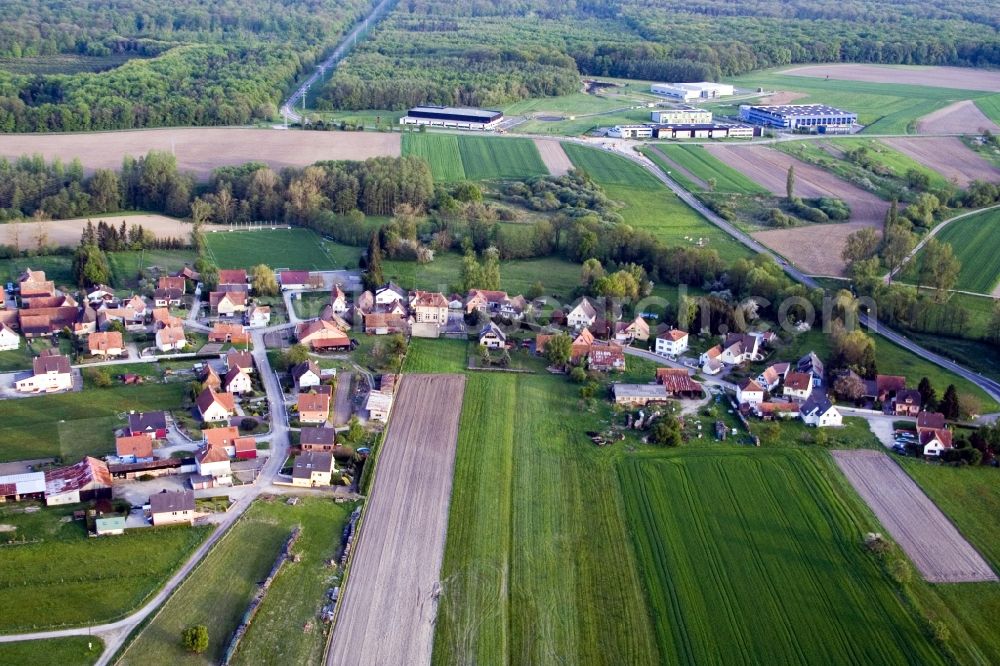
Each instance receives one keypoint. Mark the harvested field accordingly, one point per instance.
(554, 157)
(201, 150)
(67, 232)
(389, 605)
(949, 157)
(815, 249)
(959, 118)
(937, 549)
(959, 78)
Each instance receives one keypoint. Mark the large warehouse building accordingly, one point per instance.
(812, 117)
(684, 115)
(447, 116)
(689, 92)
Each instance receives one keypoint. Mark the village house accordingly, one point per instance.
(485, 301)
(99, 294)
(492, 337)
(711, 364)
(306, 375)
(227, 303)
(381, 323)
(638, 395)
(170, 338)
(907, 402)
(233, 279)
(166, 297)
(234, 333)
(773, 375)
(106, 344)
(583, 315)
(163, 319)
(129, 317)
(172, 282)
(313, 468)
(237, 382)
(820, 412)
(749, 392)
(213, 467)
(429, 307)
(87, 480)
(769, 411)
(134, 448)
(318, 439)
(172, 507)
(678, 383)
(671, 343)
(606, 358)
(209, 378)
(390, 294)
(798, 386)
(338, 300)
(51, 372)
(313, 407)
(9, 339)
(378, 405)
(149, 424)
(86, 321)
(241, 360)
(189, 273)
(33, 283)
(887, 386)
(320, 335)
(740, 348)
(628, 332)
(215, 407)
(810, 363)
(257, 316)
(222, 438)
(513, 308)
(933, 433)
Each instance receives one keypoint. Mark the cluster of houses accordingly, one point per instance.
(784, 390)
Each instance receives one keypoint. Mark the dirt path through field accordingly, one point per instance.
(554, 157)
(937, 549)
(67, 232)
(948, 156)
(389, 604)
(674, 165)
(959, 118)
(199, 150)
(959, 78)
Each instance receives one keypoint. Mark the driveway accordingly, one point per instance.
(342, 399)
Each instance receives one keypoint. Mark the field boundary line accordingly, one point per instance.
(930, 234)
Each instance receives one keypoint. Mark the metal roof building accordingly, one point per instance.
(449, 116)
(799, 116)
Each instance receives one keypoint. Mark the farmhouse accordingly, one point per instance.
(313, 468)
(50, 372)
(171, 507)
(887, 386)
(106, 344)
(166, 297)
(134, 448)
(638, 395)
(9, 340)
(338, 300)
(237, 382)
(293, 280)
(749, 392)
(87, 480)
(222, 438)
(771, 410)
(819, 411)
(907, 402)
(319, 334)
(429, 307)
(18, 487)
(215, 407)
(678, 383)
(233, 279)
(234, 333)
(257, 316)
(688, 92)
(672, 343)
(583, 315)
(492, 337)
(37, 322)
(810, 117)
(381, 323)
(151, 424)
(227, 303)
(318, 439)
(455, 117)
(682, 115)
(313, 407)
(306, 374)
(86, 322)
(798, 386)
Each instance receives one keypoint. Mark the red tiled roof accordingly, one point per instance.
(798, 381)
(105, 341)
(677, 380)
(220, 436)
(139, 446)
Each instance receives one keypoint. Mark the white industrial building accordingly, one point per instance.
(684, 115)
(689, 92)
(631, 132)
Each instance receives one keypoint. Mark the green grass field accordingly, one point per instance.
(61, 577)
(72, 425)
(217, 593)
(70, 651)
(990, 106)
(125, 266)
(703, 165)
(455, 157)
(976, 241)
(295, 248)
(883, 108)
(649, 205)
(57, 267)
(756, 557)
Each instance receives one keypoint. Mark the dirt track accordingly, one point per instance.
(949, 157)
(199, 150)
(67, 232)
(937, 549)
(959, 118)
(960, 78)
(389, 606)
(554, 157)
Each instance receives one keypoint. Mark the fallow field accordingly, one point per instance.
(455, 157)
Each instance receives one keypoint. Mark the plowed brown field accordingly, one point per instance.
(389, 604)
(959, 118)
(948, 156)
(554, 157)
(960, 78)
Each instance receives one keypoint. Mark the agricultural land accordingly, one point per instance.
(281, 248)
(977, 245)
(454, 157)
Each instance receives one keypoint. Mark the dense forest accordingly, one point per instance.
(490, 54)
(192, 63)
